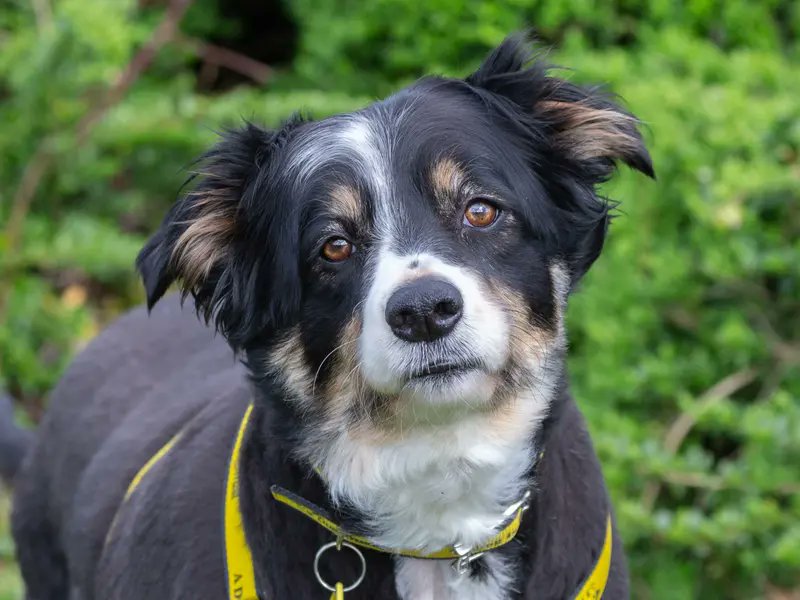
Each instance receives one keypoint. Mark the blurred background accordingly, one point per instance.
(685, 335)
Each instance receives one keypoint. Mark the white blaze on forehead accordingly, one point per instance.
(373, 147)
(370, 139)
(363, 141)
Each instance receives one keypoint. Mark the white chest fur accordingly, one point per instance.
(433, 488)
(417, 579)
(437, 487)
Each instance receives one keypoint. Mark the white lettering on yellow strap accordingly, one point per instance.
(241, 577)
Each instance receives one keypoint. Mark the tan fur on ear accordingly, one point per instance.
(586, 132)
(204, 241)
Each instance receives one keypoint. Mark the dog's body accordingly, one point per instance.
(396, 281)
(146, 378)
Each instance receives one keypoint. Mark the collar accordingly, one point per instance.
(239, 560)
(507, 530)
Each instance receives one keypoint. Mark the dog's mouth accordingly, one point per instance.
(443, 370)
(439, 384)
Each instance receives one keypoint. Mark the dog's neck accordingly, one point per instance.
(272, 456)
(437, 486)
(434, 486)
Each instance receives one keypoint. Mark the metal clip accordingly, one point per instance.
(465, 558)
(465, 553)
(523, 504)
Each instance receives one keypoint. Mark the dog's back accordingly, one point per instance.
(133, 388)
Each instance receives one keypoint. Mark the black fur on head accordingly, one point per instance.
(583, 125)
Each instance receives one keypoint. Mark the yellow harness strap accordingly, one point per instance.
(163, 451)
(137, 479)
(239, 560)
(595, 584)
(338, 593)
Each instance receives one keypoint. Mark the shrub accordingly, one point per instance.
(686, 334)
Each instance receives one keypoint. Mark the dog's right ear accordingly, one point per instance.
(206, 240)
(582, 125)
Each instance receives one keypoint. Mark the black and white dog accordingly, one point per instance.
(394, 281)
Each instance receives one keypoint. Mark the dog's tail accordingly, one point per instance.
(14, 440)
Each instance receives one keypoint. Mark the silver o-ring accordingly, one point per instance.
(323, 549)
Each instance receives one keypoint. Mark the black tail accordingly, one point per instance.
(14, 440)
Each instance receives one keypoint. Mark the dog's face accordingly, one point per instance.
(409, 261)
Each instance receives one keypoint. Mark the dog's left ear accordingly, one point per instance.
(580, 125)
(231, 241)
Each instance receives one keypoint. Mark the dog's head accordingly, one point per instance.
(409, 261)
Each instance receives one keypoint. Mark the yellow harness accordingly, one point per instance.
(239, 560)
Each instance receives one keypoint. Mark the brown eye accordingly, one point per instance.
(337, 249)
(480, 213)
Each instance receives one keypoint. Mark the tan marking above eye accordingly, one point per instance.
(337, 249)
(346, 203)
(446, 177)
(480, 213)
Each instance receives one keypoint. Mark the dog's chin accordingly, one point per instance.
(465, 388)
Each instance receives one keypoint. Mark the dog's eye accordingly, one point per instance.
(337, 249)
(480, 213)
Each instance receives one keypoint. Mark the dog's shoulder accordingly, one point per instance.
(565, 531)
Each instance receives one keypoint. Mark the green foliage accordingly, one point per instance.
(685, 333)
(10, 584)
(373, 45)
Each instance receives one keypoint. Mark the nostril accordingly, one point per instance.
(443, 317)
(399, 316)
(447, 308)
(405, 316)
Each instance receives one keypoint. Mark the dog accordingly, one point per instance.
(380, 354)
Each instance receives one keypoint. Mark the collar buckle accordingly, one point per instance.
(467, 554)
(465, 558)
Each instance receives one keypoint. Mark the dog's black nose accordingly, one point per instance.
(424, 310)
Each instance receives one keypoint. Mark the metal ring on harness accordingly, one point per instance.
(323, 549)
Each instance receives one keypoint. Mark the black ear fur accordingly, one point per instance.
(206, 241)
(583, 125)
(577, 136)
(153, 265)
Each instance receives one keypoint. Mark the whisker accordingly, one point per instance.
(327, 356)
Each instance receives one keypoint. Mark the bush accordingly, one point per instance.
(365, 46)
(686, 334)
